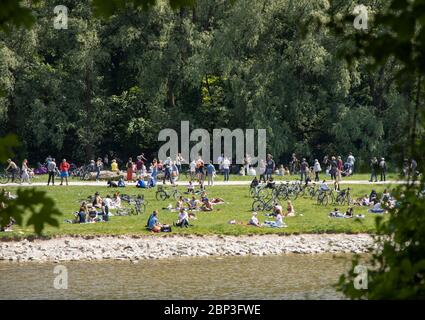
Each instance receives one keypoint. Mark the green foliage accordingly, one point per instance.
(41, 207)
(397, 268)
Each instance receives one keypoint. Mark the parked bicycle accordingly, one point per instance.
(344, 197)
(163, 194)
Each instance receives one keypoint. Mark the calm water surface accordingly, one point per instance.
(273, 277)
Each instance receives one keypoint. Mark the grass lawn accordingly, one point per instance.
(314, 217)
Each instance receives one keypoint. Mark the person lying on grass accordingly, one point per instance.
(337, 214)
(362, 201)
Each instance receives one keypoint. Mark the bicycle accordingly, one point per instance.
(344, 197)
(263, 205)
(6, 176)
(163, 194)
(324, 196)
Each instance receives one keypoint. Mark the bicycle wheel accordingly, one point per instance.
(257, 205)
(176, 194)
(161, 195)
(4, 178)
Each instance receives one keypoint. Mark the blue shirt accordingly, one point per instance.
(153, 220)
(210, 169)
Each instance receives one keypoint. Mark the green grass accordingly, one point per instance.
(238, 206)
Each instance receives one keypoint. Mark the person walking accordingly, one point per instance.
(351, 160)
(226, 168)
(334, 168)
(374, 165)
(270, 166)
(383, 168)
(262, 170)
(303, 170)
(64, 168)
(25, 176)
(316, 169)
(129, 167)
(99, 166)
(51, 170)
(210, 173)
(413, 167)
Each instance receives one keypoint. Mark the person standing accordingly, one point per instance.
(334, 168)
(270, 166)
(226, 168)
(374, 165)
(303, 170)
(99, 166)
(383, 168)
(340, 164)
(106, 160)
(316, 169)
(413, 167)
(25, 171)
(51, 170)
(262, 170)
(210, 173)
(351, 160)
(114, 166)
(129, 167)
(179, 161)
(64, 168)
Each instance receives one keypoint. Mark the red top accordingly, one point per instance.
(64, 166)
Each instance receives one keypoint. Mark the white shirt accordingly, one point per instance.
(254, 220)
(193, 166)
(183, 216)
(351, 159)
(108, 202)
(279, 220)
(226, 164)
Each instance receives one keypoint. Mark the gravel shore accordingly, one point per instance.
(154, 247)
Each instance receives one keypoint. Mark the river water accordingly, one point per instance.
(289, 276)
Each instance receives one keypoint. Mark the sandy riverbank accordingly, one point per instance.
(152, 247)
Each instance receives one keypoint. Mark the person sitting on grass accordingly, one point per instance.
(254, 182)
(206, 205)
(121, 183)
(154, 225)
(116, 201)
(92, 214)
(180, 204)
(290, 209)
(97, 202)
(277, 209)
(386, 196)
(82, 213)
(277, 223)
(254, 220)
(349, 213)
(140, 183)
(270, 183)
(377, 208)
(112, 184)
(190, 188)
(373, 197)
(323, 187)
(363, 201)
(193, 203)
(183, 219)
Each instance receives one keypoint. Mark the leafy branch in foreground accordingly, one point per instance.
(41, 207)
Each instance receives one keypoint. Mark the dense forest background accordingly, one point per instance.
(112, 84)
